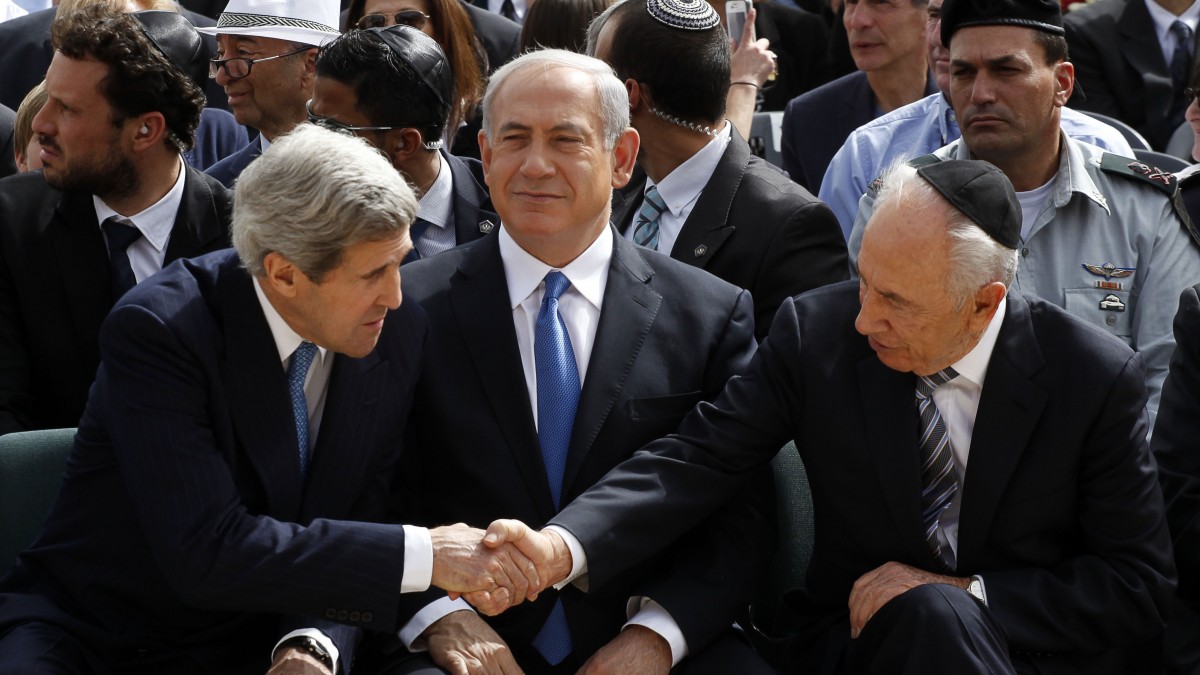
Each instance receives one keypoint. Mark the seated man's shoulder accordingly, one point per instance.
(26, 192)
(825, 101)
(1094, 13)
(426, 276)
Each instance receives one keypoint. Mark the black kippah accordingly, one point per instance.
(1043, 15)
(423, 54)
(685, 14)
(982, 192)
(178, 40)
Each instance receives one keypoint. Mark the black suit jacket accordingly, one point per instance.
(754, 228)
(1119, 66)
(1176, 443)
(184, 526)
(501, 37)
(474, 215)
(669, 335)
(55, 292)
(800, 40)
(25, 54)
(8, 161)
(1061, 512)
(817, 123)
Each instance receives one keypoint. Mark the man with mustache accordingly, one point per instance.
(1103, 236)
(113, 204)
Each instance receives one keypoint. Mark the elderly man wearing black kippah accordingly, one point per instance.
(984, 498)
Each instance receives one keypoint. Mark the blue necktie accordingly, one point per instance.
(645, 232)
(418, 227)
(1181, 70)
(302, 358)
(119, 233)
(557, 398)
(939, 483)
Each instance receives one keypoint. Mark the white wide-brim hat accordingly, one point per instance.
(311, 22)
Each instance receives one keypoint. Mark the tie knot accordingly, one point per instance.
(1182, 31)
(927, 383)
(654, 199)
(556, 284)
(302, 358)
(120, 233)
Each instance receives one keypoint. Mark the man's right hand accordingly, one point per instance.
(546, 549)
(463, 644)
(495, 577)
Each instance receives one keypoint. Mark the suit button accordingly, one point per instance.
(354, 617)
(342, 614)
(331, 614)
(368, 617)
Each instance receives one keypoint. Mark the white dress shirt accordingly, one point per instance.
(418, 547)
(146, 255)
(519, 8)
(681, 188)
(437, 207)
(1162, 26)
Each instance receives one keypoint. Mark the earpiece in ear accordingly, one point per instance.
(145, 130)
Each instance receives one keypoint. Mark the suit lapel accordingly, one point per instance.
(891, 430)
(197, 224)
(630, 305)
(339, 460)
(257, 389)
(82, 257)
(708, 225)
(473, 213)
(1009, 409)
(479, 298)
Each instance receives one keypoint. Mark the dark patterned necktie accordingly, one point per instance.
(939, 483)
(120, 233)
(302, 358)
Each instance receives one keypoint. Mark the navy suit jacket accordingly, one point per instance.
(474, 215)
(1061, 514)
(228, 169)
(184, 527)
(755, 229)
(55, 290)
(817, 123)
(1119, 66)
(669, 335)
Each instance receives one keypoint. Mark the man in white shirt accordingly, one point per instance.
(556, 349)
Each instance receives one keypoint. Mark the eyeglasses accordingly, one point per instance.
(238, 68)
(405, 17)
(334, 125)
(1191, 94)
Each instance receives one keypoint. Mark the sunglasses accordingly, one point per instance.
(405, 17)
(350, 130)
(1191, 94)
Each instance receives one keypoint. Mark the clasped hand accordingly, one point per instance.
(499, 568)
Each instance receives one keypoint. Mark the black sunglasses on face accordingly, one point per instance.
(405, 17)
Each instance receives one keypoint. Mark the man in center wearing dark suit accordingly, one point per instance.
(985, 500)
(700, 196)
(394, 84)
(557, 349)
(109, 151)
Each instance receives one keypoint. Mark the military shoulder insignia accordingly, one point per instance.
(1164, 181)
(1109, 270)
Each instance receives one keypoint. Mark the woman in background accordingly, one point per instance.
(560, 24)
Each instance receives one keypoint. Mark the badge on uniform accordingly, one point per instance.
(1151, 172)
(486, 226)
(1109, 271)
(1112, 303)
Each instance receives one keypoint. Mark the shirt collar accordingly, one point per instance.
(587, 273)
(1163, 19)
(435, 205)
(157, 220)
(1071, 164)
(973, 367)
(683, 185)
(286, 339)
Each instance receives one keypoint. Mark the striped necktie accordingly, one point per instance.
(645, 232)
(939, 482)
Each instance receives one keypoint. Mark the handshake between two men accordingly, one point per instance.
(500, 568)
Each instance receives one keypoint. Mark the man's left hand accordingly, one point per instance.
(875, 588)
(293, 661)
(636, 650)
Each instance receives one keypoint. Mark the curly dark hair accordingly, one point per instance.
(140, 77)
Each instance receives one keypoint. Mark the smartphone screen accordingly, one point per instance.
(735, 16)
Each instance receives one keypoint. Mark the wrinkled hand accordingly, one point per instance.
(752, 60)
(463, 644)
(636, 650)
(545, 549)
(293, 661)
(496, 577)
(875, 588)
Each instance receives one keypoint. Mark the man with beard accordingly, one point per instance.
(115, 202)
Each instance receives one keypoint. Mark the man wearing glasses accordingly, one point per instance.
(266, 61)
(393, 86)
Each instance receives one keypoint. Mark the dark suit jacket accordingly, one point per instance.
(1119, 66)
(501, 38)
(25, 54)
(816, 124)
(8, 161)
(755, 229)
(183, 525)
(1061, 515)
(800, 40)
(54, 290)
(474, 215)
(227, 170)
(669, 335)
(1176, 443)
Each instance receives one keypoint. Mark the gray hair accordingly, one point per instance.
(614, 100)
(313, 193)
(975, 258)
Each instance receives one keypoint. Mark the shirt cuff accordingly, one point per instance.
(418, 560)
(314, 634)
(410, 633)
(578, 560)
(654, 616)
